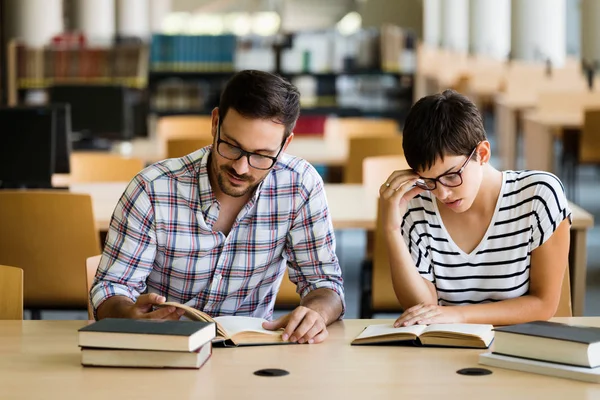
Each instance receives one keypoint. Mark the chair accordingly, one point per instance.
(589, 143)
(48, 234)
(103, 167)
(91, 266)
(287, 298)
(377, 169)
(363, 147)
(11, 293)
(179, 147)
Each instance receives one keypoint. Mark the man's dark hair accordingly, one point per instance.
(443, 124)
(261, 95)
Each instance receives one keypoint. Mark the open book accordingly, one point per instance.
(450, 335)
(234, 330)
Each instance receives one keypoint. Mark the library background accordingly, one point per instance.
(98, 89)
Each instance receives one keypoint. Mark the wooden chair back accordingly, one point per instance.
(103, 167)
(377, 169)
(589, 144)
(91, 266)
(48, 234)
(363, 147)
(565, 306)
(179, 147)
(11, 293)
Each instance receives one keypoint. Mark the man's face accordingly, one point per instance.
(237, 178)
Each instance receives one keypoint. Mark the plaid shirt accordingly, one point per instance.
(161, 240)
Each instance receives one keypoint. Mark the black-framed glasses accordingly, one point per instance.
(234, 153)
(450, 179)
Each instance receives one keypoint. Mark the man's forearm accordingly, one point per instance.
(114, 307)
(326, 302)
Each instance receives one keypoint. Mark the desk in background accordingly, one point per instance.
(315, 150)
(41, 360)
(351, 207)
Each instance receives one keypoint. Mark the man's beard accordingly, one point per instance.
(225, 185)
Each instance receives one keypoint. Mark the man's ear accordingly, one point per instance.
(214, 121)
(287, 142)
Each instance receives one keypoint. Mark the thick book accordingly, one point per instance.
(550, 341)
(540, 367)
(95, 357)
(234, 330)
(448, 335)
(142, 334)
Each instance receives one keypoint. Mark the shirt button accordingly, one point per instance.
(218, 277)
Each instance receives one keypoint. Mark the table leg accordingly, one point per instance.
(506, 135)
(578, 267)
(538, 143)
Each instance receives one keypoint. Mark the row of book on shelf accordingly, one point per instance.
(389, 49)
(542, 347)
(36, 67)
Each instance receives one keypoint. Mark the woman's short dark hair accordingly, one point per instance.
(261, 95)
(442, 124)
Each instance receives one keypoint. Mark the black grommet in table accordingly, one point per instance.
(271, 372)
(474, 371)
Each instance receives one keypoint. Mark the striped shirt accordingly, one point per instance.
(530, 207)
(160, 239)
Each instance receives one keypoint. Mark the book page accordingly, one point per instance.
(479, 330)
(388, 329)
(190, 312)
(235, 324)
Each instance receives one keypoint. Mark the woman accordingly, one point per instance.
(468, 243)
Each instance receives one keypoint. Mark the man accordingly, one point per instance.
(215, 229)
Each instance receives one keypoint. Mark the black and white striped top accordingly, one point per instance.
(531, 206)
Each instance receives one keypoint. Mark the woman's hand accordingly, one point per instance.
(427, 314)
(394, 195)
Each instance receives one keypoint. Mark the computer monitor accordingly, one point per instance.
(96, 111)
(62, 134)
(27, 147)
(62, 142)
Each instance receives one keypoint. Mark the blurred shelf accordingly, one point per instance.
(339, 111)
(28, 84)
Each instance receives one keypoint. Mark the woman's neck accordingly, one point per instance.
(487, 197)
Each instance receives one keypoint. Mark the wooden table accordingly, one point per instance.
(315, 150)
(352, 207)
(41, 360)
(540, 129)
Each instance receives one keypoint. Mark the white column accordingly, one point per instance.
(432, 22)
(455, 25)
(35, 22)
(489, 27)
(159, 9)
(539, 30)
(96, 19)
(590, 31)
(133, 18)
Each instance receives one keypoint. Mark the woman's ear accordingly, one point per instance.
(484, 152)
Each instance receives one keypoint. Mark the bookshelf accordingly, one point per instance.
(362, 75)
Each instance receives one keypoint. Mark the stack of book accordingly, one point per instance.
(146, 343)
(547, 348)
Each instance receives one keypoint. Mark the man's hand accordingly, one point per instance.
(302, 325)
(123, 307)
(426, 314)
